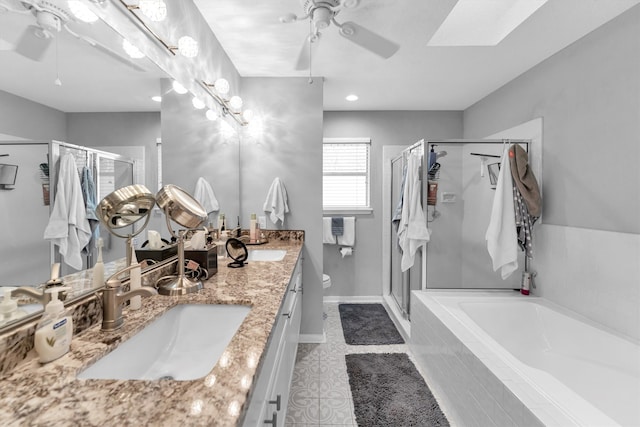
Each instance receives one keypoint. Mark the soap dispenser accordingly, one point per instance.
(253, 234)
(53, 333)
(9, 307)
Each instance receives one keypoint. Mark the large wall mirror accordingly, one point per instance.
(77, 85)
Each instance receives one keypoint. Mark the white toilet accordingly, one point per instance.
(326, 281)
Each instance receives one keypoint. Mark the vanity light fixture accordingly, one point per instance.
(232, 106)
(82, 11)
(197, 103)
(156, 10)
(247, 115)
(211, 115)
(132, 50)
(178, 88)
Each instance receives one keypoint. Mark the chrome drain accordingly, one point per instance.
(166, 377)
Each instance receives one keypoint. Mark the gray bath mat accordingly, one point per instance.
(368, 324)
(388, 391)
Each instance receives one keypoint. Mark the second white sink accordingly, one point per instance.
(266, 254)
(183, 344)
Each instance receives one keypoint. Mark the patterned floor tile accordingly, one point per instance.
(336, 412)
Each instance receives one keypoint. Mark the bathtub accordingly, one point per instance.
(501, 358)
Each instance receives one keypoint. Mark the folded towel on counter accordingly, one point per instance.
(327, 235)
(205, 196)
(337, 226)
(276, 201)
(68, 226)
(348, 237)
(501, 236)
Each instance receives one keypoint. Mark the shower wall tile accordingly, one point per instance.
(594, 273)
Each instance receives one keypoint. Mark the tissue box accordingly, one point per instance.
(156, 254)
(207, 258)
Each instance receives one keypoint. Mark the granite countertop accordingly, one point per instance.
(33, 394)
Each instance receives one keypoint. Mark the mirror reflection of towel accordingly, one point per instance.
(276, 201)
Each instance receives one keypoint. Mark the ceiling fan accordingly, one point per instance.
(51, 17)
(321, 14)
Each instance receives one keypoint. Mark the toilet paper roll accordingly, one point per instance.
(348, 251)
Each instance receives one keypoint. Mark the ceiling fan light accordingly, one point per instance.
(82, 11)
(235, 102)
(222, 86)
(178, 88)
(197, 103)
(187, 47)
(321, 18)
(156, 10)
(132, 50)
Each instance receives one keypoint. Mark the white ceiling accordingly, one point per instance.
(417, 77)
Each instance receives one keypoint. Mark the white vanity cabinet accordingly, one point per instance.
(268, 404)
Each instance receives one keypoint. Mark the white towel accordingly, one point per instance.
(68, 226)
(412, 230)
(501, 236)
(276, 201)
(205, 196)
(327, 235)
(348, 237)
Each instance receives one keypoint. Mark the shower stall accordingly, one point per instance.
(458, 186)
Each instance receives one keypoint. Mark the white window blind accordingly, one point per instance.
(345, 172)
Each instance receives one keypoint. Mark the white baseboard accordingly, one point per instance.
(313, 338)
(354, 300)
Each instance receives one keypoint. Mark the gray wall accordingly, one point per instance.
(361, 274)
(589, 97)
(30, 120)
(289, 147)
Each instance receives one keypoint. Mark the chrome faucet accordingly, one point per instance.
(112, 300)
(38, 294)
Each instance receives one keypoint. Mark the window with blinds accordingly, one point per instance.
(345, 174)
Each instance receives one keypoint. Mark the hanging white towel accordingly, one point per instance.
(412, 230)
(327, 235)
(348, 237)
(501, 236)
(68, 227)
(205, 196)
(276, 201)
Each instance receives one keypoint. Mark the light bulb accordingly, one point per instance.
(156, 10)
(247, 115)
(221, 86)
(187, 47)
(179, 88)
(197, 104)
(132, 50)
(235, 102)
(82, 11)
(211, 115)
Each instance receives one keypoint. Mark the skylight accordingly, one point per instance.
(483, 22)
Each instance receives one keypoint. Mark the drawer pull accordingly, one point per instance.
(274, 419)
(288, 315)
(276, 402)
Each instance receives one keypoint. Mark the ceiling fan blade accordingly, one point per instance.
(31, 45)
(368, 39)
(303, 57)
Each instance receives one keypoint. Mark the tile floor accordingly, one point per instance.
(320, 393)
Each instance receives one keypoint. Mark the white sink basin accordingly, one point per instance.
(266, 254)
(183, 344)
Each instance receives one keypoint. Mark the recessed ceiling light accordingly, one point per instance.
(352, 97)
(156, 98)
(483, 23)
